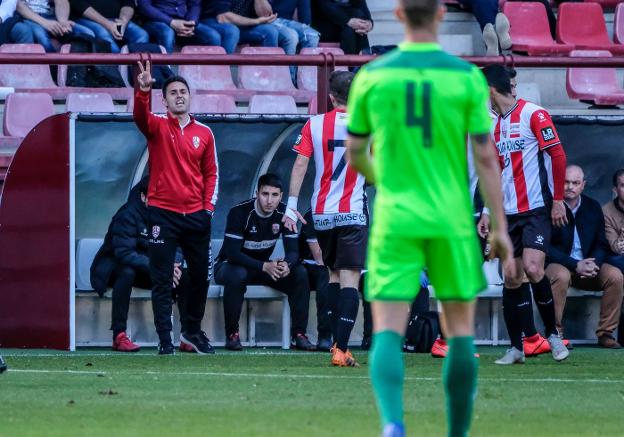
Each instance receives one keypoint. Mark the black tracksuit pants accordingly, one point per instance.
(318, 278)
(236, 278)
(122, 280)
(168, 231)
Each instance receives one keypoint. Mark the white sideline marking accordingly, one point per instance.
(308, 376)
(154, 354)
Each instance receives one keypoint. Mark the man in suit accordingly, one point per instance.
(577, 258)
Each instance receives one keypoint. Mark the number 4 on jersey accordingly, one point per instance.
(424, 119)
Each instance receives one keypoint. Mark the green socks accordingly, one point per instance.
(386, 372)
(459, 374)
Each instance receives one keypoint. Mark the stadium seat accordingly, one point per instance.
(270, 78)
(272, 104)
(530, 30)
(158, 107)
(23, 111)
(583, 25)
(94, 102)
(306, 76)
(605, 3)
(207, 77)
(213, 104)
(313, 106)
(597, 85)
(25, 76)
(618, 24)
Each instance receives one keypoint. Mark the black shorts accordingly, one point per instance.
(530, 230)
(344, 247)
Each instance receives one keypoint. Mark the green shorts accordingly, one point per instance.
(454, 267)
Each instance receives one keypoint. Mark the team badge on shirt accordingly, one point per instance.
(155, 231)
(196, 142)
(276, 228)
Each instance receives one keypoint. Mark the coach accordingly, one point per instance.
(181, 199)
(577, 258)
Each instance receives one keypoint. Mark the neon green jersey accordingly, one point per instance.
(419, 104)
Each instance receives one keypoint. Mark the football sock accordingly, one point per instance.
(542, 293)
(459, 373)
(511, 297)
(525, 310)
(386, 372)
(348, 305)
(333, 294)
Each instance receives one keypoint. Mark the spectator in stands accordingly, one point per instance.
(167, 21)
(251, 234)
(49, 20)
(109, 20)
(494, 25)
(311, 258)
(293, 34)
(253, 29)
(11, 29)
(122, 262)
(344, 21)
(577, 258)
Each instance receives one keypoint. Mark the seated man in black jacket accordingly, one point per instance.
(251, 233)
(122, 262)
(344, 21)
(576, 258)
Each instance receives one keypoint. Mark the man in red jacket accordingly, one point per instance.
(181, 198)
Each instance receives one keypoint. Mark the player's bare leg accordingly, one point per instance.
(344, 304)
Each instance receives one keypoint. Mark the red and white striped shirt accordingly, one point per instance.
(338, 188)
(531, 158)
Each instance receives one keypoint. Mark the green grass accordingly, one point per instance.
(272, 393)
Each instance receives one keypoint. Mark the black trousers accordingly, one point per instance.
(168, 231)
(122, 280)
(318, 279)
(350, 42)
(235, 280)
(191, 305)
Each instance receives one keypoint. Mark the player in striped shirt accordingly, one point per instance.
(339, 211)
(533, 172)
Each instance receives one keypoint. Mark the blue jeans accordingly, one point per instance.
(17, 32)
(265, 35)
(133, 33)
(163, 34)
(228, 33)
(293, 34)
(43, 37)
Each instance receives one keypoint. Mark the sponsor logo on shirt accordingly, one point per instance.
(329, 221)
(548, 134)
(539, 240)
(253, 230)
(507, 146)
(259, 245)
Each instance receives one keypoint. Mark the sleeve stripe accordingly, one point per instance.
(236, 237)
(548, 146)
(356, 134)
(291, 236)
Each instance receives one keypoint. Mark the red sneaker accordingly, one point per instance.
(123, 344)
(535, 345)
(439, 348)
(185, 347)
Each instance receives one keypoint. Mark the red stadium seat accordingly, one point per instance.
(306, 76)
(94, 102)
(583, 25)
(25, 76)
(618, 25)
(269, 78)
(530, 30)
(605, 3)
(207, 77)
(23, 111)
(213, 104)
(598, 85)
(272, 104)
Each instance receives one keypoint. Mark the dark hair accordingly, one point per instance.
(498, 77)
(340, 84)
(172, 79)
(271, 180)
(420, 13)
(512, 72)
(618, 174)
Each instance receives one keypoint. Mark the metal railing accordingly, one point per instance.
(325, 62)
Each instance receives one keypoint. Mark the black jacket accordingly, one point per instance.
(125, 243)
(339, 13)
(590, 226)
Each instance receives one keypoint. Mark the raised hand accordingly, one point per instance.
(144, 77)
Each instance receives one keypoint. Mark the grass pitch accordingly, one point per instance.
(268, 392)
